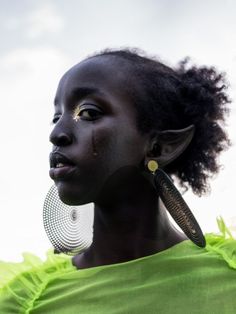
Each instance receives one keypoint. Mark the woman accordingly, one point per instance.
(120, 118)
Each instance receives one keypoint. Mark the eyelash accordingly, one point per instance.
(78, 114)
(89, 109)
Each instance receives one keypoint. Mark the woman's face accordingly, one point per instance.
(95, 138)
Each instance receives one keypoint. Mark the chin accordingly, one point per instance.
(71, 195)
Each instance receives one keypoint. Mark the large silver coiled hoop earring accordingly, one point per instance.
(69, 228)
(176, 205)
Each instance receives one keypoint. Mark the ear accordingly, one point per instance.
(166, 146)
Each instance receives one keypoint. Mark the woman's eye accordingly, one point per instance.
(55, 119)
(87, 113)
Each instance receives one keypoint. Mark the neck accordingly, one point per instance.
(132, 225)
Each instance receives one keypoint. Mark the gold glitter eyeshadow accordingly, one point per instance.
(76, 113)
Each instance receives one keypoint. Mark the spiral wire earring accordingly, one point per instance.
(69, 228)
(176, 205)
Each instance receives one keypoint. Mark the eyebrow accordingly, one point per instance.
(81, 92)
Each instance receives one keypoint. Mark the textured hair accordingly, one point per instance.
(174, 98)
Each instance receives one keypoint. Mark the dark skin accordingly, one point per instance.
(95, 126)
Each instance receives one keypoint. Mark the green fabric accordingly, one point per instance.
(181, 279)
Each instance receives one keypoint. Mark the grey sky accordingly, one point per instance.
(41, 39)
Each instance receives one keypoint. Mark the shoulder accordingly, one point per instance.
(22, 283)
(223, 244)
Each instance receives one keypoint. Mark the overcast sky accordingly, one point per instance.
(40, 40)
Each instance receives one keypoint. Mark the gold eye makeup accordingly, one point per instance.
(76, 113)
(86, 111)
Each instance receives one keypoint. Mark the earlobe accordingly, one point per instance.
(170, 144)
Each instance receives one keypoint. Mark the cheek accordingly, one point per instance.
(94, 144)
(104, 152)
(103, 146)
(116, 147)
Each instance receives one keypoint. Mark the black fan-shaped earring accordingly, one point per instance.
(176, 205)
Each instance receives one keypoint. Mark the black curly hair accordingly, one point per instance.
(173, 98)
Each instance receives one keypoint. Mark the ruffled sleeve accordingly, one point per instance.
(223, 243)
(22, 283)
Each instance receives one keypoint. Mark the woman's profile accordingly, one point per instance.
(127, 127)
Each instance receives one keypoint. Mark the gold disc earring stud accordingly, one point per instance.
(152, 165)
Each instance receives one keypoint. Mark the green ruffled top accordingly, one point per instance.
(181, 279)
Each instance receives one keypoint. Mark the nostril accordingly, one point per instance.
(61, 139)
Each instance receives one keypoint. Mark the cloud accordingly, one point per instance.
(33, 59)
(40, 21)
(44, 19)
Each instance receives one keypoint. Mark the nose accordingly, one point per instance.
(59, 137)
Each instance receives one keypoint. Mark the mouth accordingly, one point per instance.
(58, 160)
(60, 166)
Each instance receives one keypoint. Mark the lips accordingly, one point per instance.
(60, 166)
(58, 158)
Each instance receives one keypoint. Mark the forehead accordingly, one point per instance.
(107, 74)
